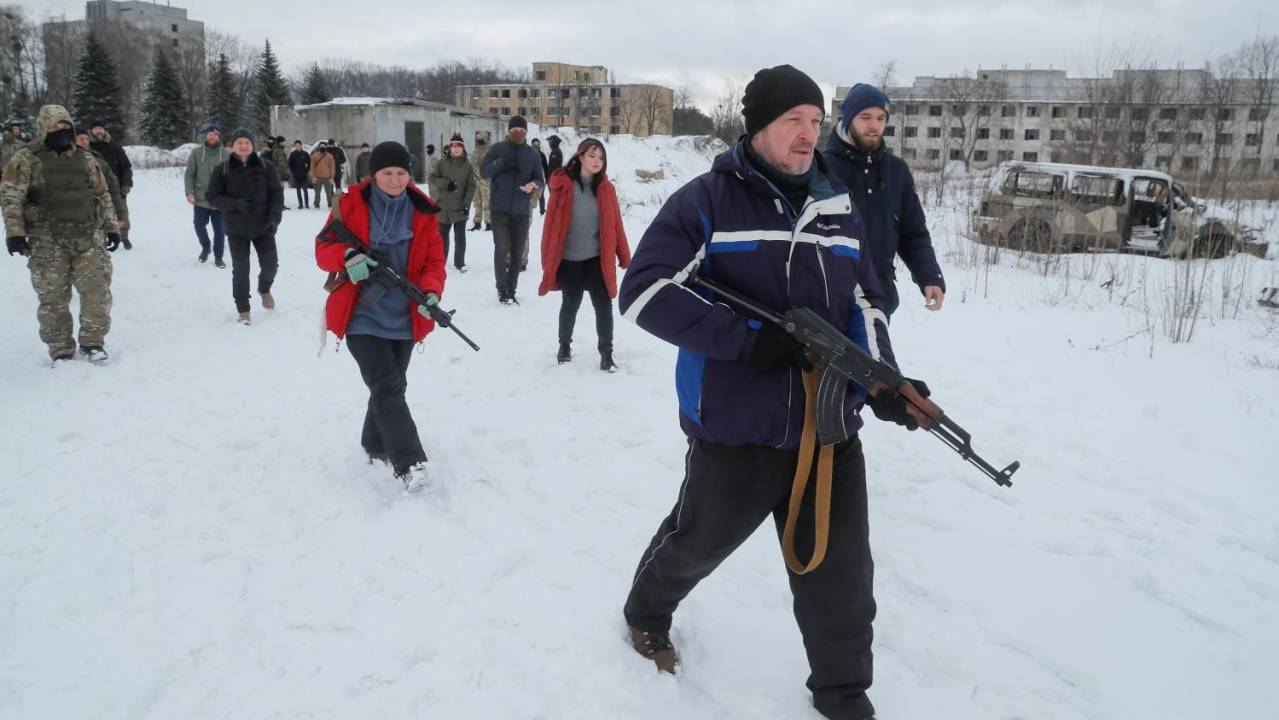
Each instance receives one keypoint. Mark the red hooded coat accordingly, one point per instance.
(425, 265)
(614, 250)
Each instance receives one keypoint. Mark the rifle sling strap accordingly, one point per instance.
(825, 472)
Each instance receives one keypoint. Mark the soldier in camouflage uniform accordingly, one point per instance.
(56, 206)
(482, 186)
(12, 141)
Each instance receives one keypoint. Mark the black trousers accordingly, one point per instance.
(728, 491)
(577, 277)
(388, 425)
(304, 197)
(268, 263)
(459, 230)
(510, 235)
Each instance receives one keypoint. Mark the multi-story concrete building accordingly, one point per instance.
(579, 96)
(1184, 122)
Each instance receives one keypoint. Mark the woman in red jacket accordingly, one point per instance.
(381, 325)
(583, 243)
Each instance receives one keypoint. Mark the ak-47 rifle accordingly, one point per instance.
(841, 361)
(383, 276)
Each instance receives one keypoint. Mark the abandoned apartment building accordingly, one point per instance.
(1184, 122)
(579, 96)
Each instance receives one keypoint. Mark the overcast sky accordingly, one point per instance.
(700, 43)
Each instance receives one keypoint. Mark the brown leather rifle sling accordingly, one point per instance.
(825, 473)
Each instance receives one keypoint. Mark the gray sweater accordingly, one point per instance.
(583, 239)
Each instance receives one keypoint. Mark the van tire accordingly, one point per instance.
(1030, 235)
(1213, 241)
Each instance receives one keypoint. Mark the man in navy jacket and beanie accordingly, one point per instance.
(884, 192)
(770, 220)
(515, 172)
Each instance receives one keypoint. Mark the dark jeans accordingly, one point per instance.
(268, 263)
(728, 491)
(304, 197)
(510, 235)
(388, 426)
(202, 217)
(585, 276)
(459, 229)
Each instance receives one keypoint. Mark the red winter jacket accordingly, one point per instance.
(614, 250)
(426, 257)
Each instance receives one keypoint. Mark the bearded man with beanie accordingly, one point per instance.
(514, 171)
(884, 191)
(772, 221)
(247, 189)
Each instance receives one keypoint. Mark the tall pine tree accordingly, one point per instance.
(96, 90)
(270, 89)
(164, 116)
(224, 102)
(317, 89)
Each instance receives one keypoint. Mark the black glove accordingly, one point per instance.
(890, 406)
(113, 241)
(270, 229)
(18, 244)
(775, 349)
(466, 211)
(451, 186)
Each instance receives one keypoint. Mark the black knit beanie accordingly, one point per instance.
(389, 154)
(242, 133)
(773, 93)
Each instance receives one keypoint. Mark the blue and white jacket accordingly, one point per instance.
(733, 225)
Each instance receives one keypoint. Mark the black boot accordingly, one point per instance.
(488, 227)
(475, 227)
(204, 254)
(606, 361)
(565, 354)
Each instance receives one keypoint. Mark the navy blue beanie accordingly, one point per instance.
(860, 97)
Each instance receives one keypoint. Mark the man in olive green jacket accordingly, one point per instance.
(453, 183)
(199, 167)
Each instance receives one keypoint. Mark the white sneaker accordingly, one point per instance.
(416, 478)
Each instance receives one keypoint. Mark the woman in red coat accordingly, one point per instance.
(380, 324)
(583, 243)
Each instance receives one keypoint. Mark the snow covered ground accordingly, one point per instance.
(191, 530)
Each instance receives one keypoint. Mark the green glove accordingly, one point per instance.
(432, 300)
(358, 265)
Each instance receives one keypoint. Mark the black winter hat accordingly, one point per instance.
(457, 138)
(241, 133)
(773, 92)
(389, 154)
(98, 123)
(554, 140)
(517, 121)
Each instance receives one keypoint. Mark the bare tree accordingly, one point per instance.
(62, 43)
(726, 118)
(22, 80)
(654, 108)
(1258, 64)
(884, 75)
(970, 102)
(1218, 91)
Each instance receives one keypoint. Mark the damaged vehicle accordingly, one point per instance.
(1057, 207)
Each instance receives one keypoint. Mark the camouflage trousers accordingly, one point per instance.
(122, 214)
(482, 202)
(56, 266)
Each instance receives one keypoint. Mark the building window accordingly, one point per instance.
(493, 93)
(934, 154)
(1112, 113)
(613, 130)
(1256, 114)
(534, 93)
(983, 110)
(476, 92)
(541, 75)
(909, 154)
(890, 131)
(956, 154)
(532, 112)
(1225, 139)
(1083, 135)
(1165, 137)
(980, 156)
(493, 110)
(1197, 113)
(1252, 140)
(934, 132)
(1008, 111)
(552, 93)
(983, 133)
(1030, 157)
(1190, 163)
(1225, 114)
(1005, 155)
(615, 112)
(1005, 133)
(523, 93)
(506, 93)
(1110, 137)
(1031, 134)
(910, 131)
(957, 132)
(523, 111)
(958, 110)
(1057, 135)
(934, 110)
(1277, 165)
(1137, 137)
(1032, 111)
(912, 110)
(175, 42)
(1195, 138)
(1168, 114)
(615, 92)
(1141, 113)
(174, 27)
(1059, 111)
(1085, 112)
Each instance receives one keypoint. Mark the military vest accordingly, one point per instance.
(64, 201)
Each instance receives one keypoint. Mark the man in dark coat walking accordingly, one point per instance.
(884, 191)
(248, 190)
(515, 171)
(118, 161)
(300, 170)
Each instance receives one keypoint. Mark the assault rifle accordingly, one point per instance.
(840, 360)
(384, 276)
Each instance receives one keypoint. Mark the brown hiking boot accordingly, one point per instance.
(656, 646)
(268, 302)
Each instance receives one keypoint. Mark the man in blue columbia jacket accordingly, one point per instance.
(884, 191)
(771, 221)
